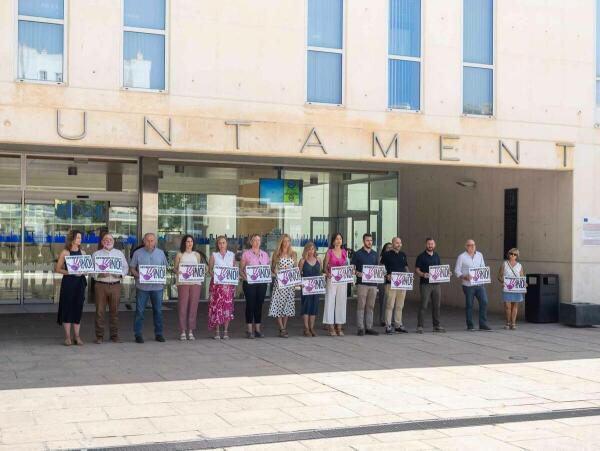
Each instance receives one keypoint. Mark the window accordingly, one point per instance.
(404, 55)
(325, 59)
(41, 29)
(597, 55)
(144, 46)
(478, 57)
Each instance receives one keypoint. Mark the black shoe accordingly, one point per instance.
(128, 306)
(258, 334)
(401, 329)
(360, 332)
(389, 330)
(160, 338)
(139, 339)
(383, 324)
(371, 332)
(485, 327)
(439, 329)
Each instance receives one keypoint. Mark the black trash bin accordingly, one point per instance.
(542, 298)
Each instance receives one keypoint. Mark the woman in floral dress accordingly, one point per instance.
(282, 299)
(220, 301)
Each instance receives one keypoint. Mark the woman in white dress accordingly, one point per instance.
(282, 299)
(511, 268)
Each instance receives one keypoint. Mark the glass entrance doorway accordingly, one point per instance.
(48, 218)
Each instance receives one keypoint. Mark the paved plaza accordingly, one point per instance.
(534, 388)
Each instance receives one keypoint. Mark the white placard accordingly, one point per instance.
(373, 274)
(439, 273)
(402, 281)
(342, 274)
(79, 264)
(153, 274)
(108, 265)
(515, 285)
(289, 278)
(313, 285)
(258, 274)
(190, 273)
(226, 275)
(480, 275)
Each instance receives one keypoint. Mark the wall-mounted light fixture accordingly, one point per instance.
(467, 183)
(179, 169)
(72, 170)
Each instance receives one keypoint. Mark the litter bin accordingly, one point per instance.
(542, 298)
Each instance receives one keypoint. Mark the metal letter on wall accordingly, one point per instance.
(444, 147)
(385, 152)
(516, 157)
(161, 134)
(238, 124)
(319, 143)
(71, 137)
(564, 147)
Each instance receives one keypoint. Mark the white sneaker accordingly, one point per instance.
(182, 337)
(191, 336)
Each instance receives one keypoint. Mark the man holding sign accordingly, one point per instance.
(146, 287)
(394, 261)
(429, 291)
(112, 267)
(466, 261)
(366, 285)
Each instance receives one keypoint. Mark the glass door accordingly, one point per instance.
(10, 248)
(48, 218)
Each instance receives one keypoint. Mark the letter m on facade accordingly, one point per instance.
(377, 144)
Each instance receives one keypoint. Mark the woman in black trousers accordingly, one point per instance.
(254, 292)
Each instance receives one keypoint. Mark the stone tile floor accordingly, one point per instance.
(53, 397)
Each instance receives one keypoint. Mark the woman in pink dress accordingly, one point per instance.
(220, 301)
(336, 297)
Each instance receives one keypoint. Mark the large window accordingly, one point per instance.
(404, 55)
(144, 44)
(325, 59)
(597, 58)
(478, 57)
(41, 28)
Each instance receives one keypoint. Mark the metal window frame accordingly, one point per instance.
(165, 33)
(342, 51)
(65, 53)
(596, 72)
(491, 67)
(419, 60)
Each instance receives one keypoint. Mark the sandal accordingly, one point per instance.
(307, 332)
(507, 326)
(68, 342)
(217, 337)
(513, 327)
(312, 332)
(78, 341)
(283, 333)
(225, 336)
(339, 331)
(332, 332)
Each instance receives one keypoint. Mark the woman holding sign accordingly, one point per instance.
(334, 313)
(282, 298)
(72, 289)
(188, 292)
(220, 300)
(310, 266)
(511, 268)
(256, 262)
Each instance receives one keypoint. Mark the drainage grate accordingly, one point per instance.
(350, 431)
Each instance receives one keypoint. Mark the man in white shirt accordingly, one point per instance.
(471, 258)
(107, 287)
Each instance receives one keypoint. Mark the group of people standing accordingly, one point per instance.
(107, 288)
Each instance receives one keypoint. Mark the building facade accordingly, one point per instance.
(453, 119)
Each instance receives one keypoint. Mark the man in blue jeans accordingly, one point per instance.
(148, 255)
(471, 258)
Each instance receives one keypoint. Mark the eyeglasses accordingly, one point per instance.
(512, 253)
